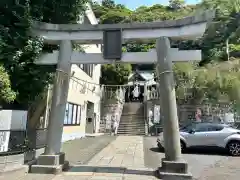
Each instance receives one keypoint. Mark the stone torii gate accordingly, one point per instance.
(113, 36)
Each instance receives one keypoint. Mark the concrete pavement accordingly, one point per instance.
(130, 158)
(198, 161)
(80, 151)
(121, 159)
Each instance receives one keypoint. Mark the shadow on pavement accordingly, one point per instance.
(200, 151)
(111, 170)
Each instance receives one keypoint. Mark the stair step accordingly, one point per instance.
(129, 114)
(131, 130)
(132, 134)
(142, 130)
(139, 125)
(48, 169)
(132, 119)
(130, 123)
(131, 127)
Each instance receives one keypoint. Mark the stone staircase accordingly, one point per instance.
(132, 120)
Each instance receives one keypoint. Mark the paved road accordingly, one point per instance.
(82, 150)
(123, 159)
(198, 163)
(78, 151)
(130, 158)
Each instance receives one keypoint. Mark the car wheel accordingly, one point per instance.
(183, 146)
(234, 148)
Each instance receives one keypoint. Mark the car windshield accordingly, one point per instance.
(188, 127)
(201, 126)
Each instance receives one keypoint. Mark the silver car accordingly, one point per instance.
(208, 135)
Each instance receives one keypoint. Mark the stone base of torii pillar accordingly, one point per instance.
(173, 170)
(173, 167)
(53, 161)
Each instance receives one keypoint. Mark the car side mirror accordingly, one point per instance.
(192, 131)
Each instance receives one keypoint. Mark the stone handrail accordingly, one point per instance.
(153, 95)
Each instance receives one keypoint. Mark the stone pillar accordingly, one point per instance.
(172, 165)
(145, 92)
(59, 99)
(53, 161)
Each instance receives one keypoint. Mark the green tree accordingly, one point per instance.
(115, 74)
(7, 95)
(216, 82)
(176, 4)
(108, 4)
(224, 27)
(18, 50)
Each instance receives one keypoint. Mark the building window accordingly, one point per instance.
(80, 66)
(72, 115)
(87, 68)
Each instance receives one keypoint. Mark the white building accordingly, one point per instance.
(83, 107)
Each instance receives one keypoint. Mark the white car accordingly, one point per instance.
(208, 135)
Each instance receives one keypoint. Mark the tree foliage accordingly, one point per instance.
(115, 74)
(212, 79)
(176, 4)
(213, 83)
(18, 50)
(7, 95)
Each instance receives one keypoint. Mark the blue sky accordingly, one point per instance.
(133, 4)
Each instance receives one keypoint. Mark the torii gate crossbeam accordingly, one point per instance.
(133, 58)
(186, 28)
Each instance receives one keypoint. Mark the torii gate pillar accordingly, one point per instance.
(173, 165)
(59, 100)
(53, 161)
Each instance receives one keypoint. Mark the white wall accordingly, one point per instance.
(76, 96)
(10, 120)
(13, 119)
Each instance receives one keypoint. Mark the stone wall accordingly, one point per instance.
(17, 161)
(186, 112)
(112, 103)
(110, 109)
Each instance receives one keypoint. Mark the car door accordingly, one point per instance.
(198, 137)
(216, 135)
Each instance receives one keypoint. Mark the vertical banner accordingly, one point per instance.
(156, 114)
(198, 115)
(108, 121)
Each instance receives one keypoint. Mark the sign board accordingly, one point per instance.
(112, 44)
(228, 118)
(5, 126)
(156, 113)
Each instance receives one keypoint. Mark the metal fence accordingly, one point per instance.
(20, 141)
